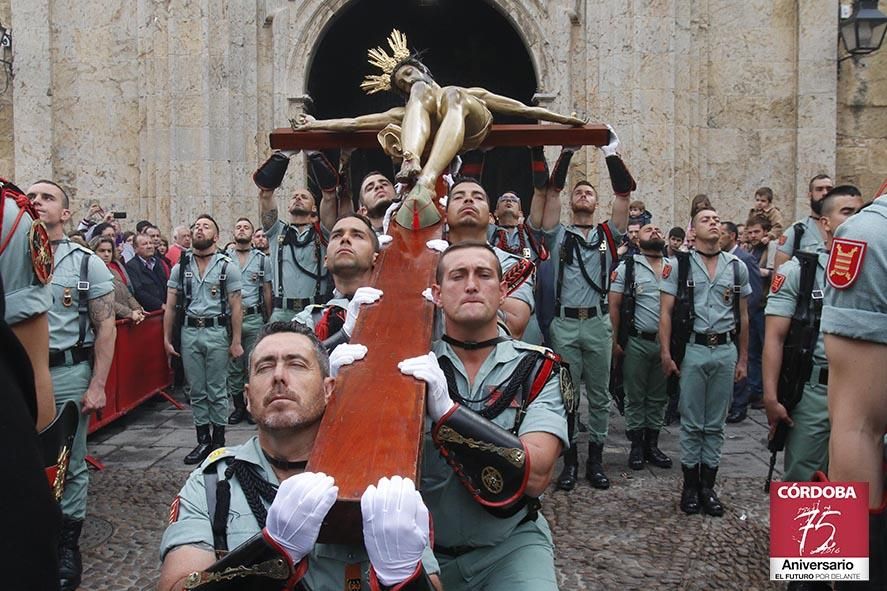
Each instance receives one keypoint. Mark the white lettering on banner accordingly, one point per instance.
(800, 491)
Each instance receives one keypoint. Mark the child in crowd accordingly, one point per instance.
(764, 208)
(638, 214)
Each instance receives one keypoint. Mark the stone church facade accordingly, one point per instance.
(162, 108)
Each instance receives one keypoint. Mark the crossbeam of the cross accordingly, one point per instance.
(374, 423)
(504, 135)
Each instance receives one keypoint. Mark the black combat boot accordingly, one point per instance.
(218, 439)
(570, 473)
(711, 505)
(652, 453)
(636, 455)
(204, 446)
(594, 469)
(70, 565)
(239, 410)
(690, 491)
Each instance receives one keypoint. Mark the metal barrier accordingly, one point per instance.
(139, 371)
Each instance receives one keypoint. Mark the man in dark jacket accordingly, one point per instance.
(146, 273)
(742, 388)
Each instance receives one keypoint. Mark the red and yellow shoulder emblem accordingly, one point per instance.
(845, 262)
(613, 276)
(666, 271)
(776, 284)
(782, 239)
(174, 509)
(41, 252)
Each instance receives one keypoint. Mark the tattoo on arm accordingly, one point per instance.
(100, 309)
(269, 216)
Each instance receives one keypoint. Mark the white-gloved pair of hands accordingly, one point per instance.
(395, 521)
(363, 295)
(425, 367)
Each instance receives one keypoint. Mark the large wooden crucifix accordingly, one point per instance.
(374, 423)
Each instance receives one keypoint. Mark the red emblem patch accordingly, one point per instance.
(778, 280)
(174, 510)
(666, 271)
(41, 252)
(613, 276)
(845, 262)
(782, 239)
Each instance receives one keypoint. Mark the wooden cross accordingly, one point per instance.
(374, 423)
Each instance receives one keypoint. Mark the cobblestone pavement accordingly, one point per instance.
(632, 536)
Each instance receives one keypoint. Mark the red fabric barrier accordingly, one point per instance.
(139, 371)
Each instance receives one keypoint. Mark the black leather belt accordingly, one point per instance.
(198, 322)
(71, 356)
(647, 336)
(296, 304)
(251, 310)
(583, 313)
(822, 378)
(712, 339)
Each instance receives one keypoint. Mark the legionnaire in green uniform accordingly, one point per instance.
(467, 217)
(82, 332)
(203, 303)
(804, 234)
(297, 248)
(261, 486)
(853, 321)
(719, 289)
(806, 447)
(637, 280)
(496, 428)
(350, 258)
(583, 255)
(255, 299)
(26, 264)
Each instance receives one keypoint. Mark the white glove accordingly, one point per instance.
(426, 293)
(345, 354)
(289, 153)
(611, 148)
(443, 202)
(363, 295)
(437, 244)
(299, 508)
(427, 369)
(384, 239)
(395, 528)
(386, 220)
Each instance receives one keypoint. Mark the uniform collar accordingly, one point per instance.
(502, 353)
(251, 452)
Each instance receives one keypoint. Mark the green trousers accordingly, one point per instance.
(70, 382)
(706, 393)
(644, 384)
(806, 448)
(205, 357)
(587, 346)
(238, 369)
(522, 562)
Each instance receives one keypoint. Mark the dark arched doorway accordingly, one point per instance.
(463, 42)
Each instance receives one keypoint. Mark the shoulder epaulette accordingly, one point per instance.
(537, 348)
(216, 455)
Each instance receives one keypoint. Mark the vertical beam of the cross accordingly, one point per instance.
(374, 423)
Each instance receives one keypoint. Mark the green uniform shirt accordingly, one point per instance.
(860, 310)
(254, 275)
(191, 525)
(811, 241)
(25, 295)
(646, 309)
(784, 301)
(518, 243)
(206, 291)
(713, 300)
(524, 292)
(64, 317)
(296, 283)
(458, 519)
(575, 290)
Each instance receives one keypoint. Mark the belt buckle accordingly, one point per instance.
(201, 322)
(711, 339)
(583, 314)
